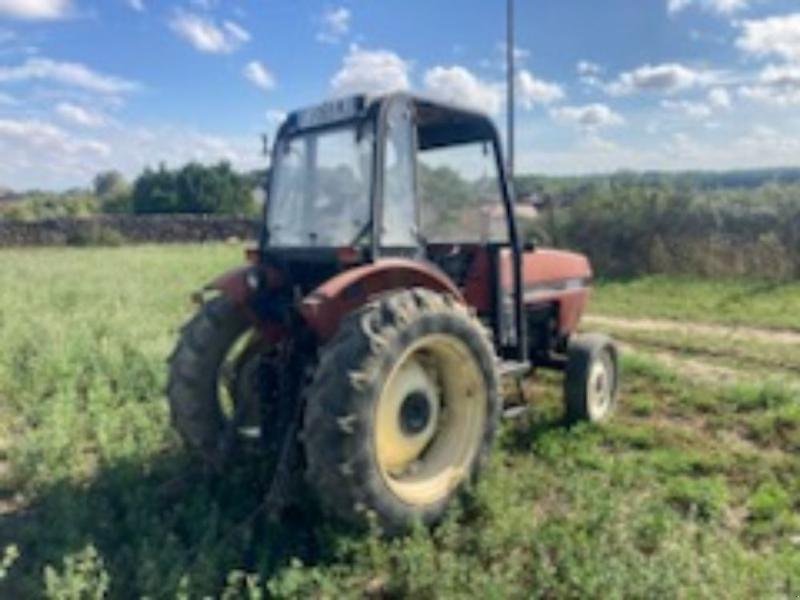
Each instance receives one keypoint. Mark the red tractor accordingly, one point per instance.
(391, 291)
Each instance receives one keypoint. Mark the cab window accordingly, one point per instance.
(461, 195)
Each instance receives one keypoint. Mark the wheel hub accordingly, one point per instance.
(415, 413)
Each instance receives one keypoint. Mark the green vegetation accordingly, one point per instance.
(192, 189)
(730, 301)
(734, 225)
(693, 491)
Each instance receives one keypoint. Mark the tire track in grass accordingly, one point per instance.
(702, 362)
(730, 332)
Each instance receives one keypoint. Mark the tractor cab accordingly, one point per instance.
(398, 177)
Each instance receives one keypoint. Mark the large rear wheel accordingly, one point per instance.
(402, 410)
(214, 377)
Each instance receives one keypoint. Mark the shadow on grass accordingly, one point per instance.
(159, 528)
(521, 435)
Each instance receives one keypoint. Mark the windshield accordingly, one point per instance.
(320, 188)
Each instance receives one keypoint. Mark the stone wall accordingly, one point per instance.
(120, 229)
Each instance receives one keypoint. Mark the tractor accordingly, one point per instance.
(362, 347)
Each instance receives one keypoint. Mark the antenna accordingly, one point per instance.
(510, 73)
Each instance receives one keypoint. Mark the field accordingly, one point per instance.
(692, 491)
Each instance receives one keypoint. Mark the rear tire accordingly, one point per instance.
(402, 411)
(193, 389)
(591, 381)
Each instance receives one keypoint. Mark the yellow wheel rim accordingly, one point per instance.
(430, 419)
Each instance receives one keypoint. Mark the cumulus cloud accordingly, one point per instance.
(590, 117)
(717, 99)
(79, 115)
(664, 78)
(777, 85)
(42, 155)
(335, 24)
(66, 73)
(259, 75)
(533, 91)
(370, 71)
(205, 35)
(722, 7)
(35, 9)
(773, 36)
(694, 110)
(458, 85)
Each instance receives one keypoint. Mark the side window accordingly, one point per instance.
(399, 193)
(461, 195)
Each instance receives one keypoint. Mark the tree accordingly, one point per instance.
(193, 189)
(110, 183)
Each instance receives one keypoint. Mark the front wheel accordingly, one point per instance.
(591, 381)
(402, 411)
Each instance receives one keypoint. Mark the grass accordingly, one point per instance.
(693, 490)
(734, 302)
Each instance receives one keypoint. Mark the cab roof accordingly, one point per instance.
(438, 123)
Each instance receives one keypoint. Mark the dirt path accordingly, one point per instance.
(731, 332)
(691, 363)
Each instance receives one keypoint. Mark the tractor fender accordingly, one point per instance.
(325, 307)
(233, 285)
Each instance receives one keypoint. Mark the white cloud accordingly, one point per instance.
(777, 85)
(137, 5)
(207, 36)
(533, 91)
(370, 71)
(259, 75)
(458, 85)
(665, 78)
(275, 116)
(335, 25)
(719, 98)
(694, 110)
(78, 115)
(237, 32)
(35, 9)
(589, 117)
(72, 74)
(773, 36)
(588, 68)
(42, 155)
(722, 7)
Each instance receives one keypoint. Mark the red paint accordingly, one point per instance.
(325, 307)
(549, 267)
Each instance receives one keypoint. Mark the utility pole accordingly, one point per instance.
(510, 73)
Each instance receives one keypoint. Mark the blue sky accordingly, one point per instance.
(87, 85)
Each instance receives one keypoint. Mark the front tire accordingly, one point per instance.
(402, 411)
(591, 381)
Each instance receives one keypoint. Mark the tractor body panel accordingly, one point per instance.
(553, 277)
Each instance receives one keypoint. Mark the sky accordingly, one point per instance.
(90, 85)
